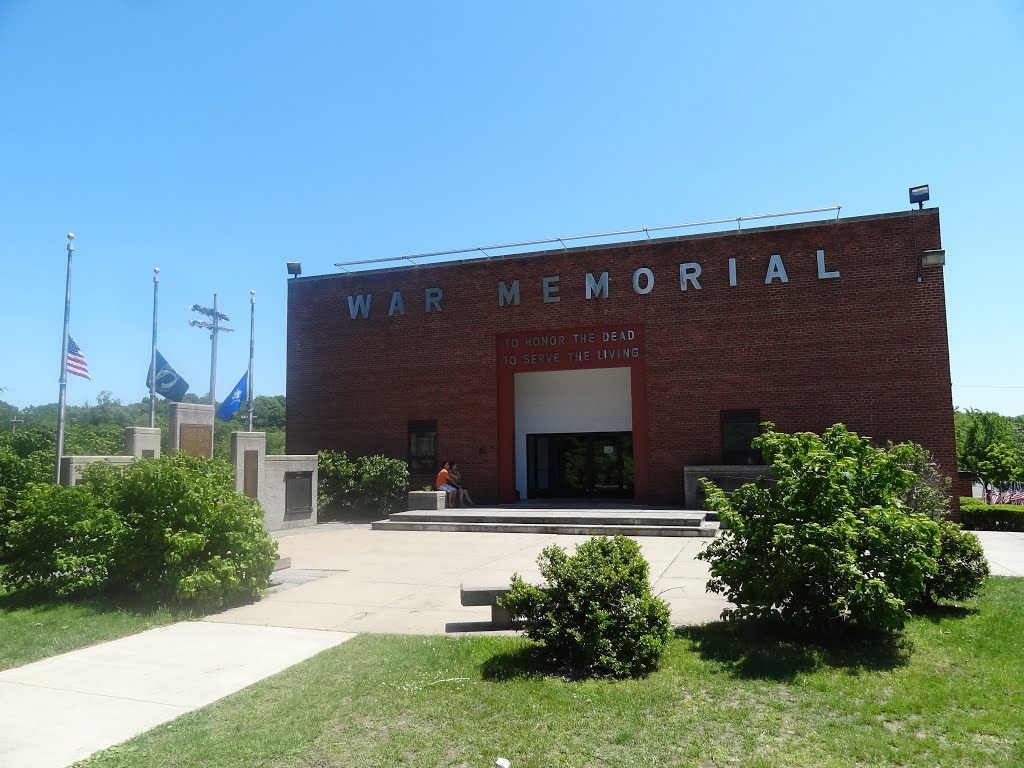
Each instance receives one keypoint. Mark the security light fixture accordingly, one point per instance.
(919, 195)
(294, 268)
(934, 258)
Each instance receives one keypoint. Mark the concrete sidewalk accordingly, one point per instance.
(408, 581)
(344, 579)
(1004, 551)
(60, 710)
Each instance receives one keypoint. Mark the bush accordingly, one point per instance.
(370, 484)
(962, 566)
(596, 613)
(337, 479)
(189, 538)
(976, 515)
(173, 530)
(930, 491)
(834, 543)
(383, 483)
(25, 457)
(60, 541)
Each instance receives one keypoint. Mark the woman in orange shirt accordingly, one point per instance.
(442, 484)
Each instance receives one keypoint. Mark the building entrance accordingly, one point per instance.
(581, 465)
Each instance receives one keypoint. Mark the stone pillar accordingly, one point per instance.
(191, 428)
(248, 454)
(142, 442)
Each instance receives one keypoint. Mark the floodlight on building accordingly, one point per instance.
(294, 268)
(934, 258)
(919, 195)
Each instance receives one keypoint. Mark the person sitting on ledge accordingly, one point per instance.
(455, 478)
(442, 484)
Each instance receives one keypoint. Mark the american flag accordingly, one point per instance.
(77, 363)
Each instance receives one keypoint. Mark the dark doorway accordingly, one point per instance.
(584, 465)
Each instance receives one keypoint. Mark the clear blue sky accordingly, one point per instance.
(218, 140)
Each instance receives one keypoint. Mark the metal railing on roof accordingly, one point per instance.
(738, 220)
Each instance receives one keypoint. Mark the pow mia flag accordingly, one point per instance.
(168, 383)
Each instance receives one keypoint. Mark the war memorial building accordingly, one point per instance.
(604, 371)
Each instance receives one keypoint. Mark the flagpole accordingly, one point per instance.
(252, 338)
(64, 359)
(152, 353)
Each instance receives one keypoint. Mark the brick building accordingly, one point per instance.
(603, 371)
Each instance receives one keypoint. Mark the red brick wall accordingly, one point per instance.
(868, 348)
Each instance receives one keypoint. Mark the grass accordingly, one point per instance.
(949, 693)
(30, 631)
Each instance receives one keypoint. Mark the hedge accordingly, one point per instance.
(976, 515)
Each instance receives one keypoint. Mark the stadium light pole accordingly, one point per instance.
(215, 328)
(64, 359)
(252, 341)
(152, 353)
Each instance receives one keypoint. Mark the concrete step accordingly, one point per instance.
(554, 517)
(706, 529)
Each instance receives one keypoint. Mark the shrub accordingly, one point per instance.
(596, 612)
(337, 479)
(382, 483)
(369, 484)
(25, 457)
(833, 544)
(60, 541)
(976, 515)
(929, 493)
(189, 538)
(962, 566)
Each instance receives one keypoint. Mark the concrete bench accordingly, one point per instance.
(488, 595)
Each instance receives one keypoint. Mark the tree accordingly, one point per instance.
(1003, 464)
(976, 431)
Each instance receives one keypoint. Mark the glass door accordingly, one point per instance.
(583, 465)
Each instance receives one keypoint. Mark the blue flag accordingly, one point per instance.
(168, 383)
(234, 401)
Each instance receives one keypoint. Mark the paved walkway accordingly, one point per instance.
(343, 580)
(408, 581)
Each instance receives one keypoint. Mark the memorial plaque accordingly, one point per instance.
(250, 475)
(298, 494)
(196, 440)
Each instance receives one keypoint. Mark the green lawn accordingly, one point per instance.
(951, 693)
(32, 632)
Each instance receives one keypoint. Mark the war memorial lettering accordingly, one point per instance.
(643, 281)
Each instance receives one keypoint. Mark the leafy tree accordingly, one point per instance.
(976, 431)
(1002, 464)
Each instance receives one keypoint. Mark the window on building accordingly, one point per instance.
(422, 446)
(739, 428)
